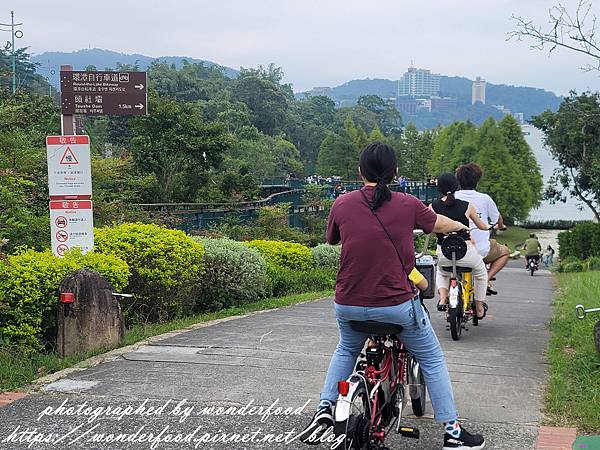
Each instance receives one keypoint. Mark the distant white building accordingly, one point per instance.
(325, 91)
(503, 109)
(520, 117)
(478, 91)
(419, 82)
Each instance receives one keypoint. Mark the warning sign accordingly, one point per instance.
(68, 157)
(69, 166)
(72, 224)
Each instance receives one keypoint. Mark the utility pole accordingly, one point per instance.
(11, 45)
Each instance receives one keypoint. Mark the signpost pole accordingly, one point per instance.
(67, 121)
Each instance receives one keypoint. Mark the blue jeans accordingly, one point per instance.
(420, 340)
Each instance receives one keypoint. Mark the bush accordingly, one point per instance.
(166, 267)
(283, 281)
(593, 263)
(581, 242)
(569, 259)
(234, 274)
(29, 283)
(284, 254)
(573, 267)
(327, 256)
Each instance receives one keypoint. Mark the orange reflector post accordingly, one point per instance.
(343, 387)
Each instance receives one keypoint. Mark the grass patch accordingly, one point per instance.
(573, 397)
(513, 236)
(18, 369)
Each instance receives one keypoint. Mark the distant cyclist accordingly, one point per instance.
(493, 253)
(532, 249)
(375, 227)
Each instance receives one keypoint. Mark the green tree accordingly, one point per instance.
(338, 156)
(573, 136)
(388, 117)
(177, 146)
(454, 145)
(267, 100)
(356, 134)
(21, 224)
(27, 78)
(414, 150)
(286, 157)
(361, 117)
(502, 178)
(523, 156)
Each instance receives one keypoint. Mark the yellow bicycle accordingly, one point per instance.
(461, 294)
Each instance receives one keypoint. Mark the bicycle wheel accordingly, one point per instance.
(357, 427)
(417, 387)
(455, 316)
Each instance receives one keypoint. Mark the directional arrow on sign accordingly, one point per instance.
(139, 106)
(139, 86)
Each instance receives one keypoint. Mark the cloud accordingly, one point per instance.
(317, 42)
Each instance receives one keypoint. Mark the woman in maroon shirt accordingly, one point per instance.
(373, 284)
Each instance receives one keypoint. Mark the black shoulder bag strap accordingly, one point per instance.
(414, 290)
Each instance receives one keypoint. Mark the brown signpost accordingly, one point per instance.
(103, 93)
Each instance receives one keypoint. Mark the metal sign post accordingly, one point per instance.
(67, 120)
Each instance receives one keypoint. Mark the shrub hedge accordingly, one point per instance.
(166, 267)
(577, 266)
(283, 254)
(593, 263)
(29, 283)
(327, 256)
(285, 281)
(581, 242)
(169, 273)
(234, 274)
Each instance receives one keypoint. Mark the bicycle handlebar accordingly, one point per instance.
(425, 245)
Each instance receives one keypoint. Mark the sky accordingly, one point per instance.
(316, 42)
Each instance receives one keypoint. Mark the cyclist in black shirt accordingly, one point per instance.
(461, 211)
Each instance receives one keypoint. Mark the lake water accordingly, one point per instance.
(567, 211)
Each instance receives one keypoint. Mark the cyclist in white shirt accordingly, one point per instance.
(493, 253)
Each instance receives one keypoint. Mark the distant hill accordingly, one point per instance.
(103, 59)
(527, 100)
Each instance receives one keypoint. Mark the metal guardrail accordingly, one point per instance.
(201, 215)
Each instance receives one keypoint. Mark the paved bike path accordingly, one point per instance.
(497, 371)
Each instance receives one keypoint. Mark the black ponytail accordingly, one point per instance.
(378, 165)
(447, 185)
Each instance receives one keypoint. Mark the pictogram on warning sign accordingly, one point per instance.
(62, 236)
(68, 157)
(61, 249)
(61, 222)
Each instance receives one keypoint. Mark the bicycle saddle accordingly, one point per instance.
(459, 269)
(375, 328)
(453, 243)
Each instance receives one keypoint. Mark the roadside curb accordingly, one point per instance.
(115, 354)
(556, 438)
